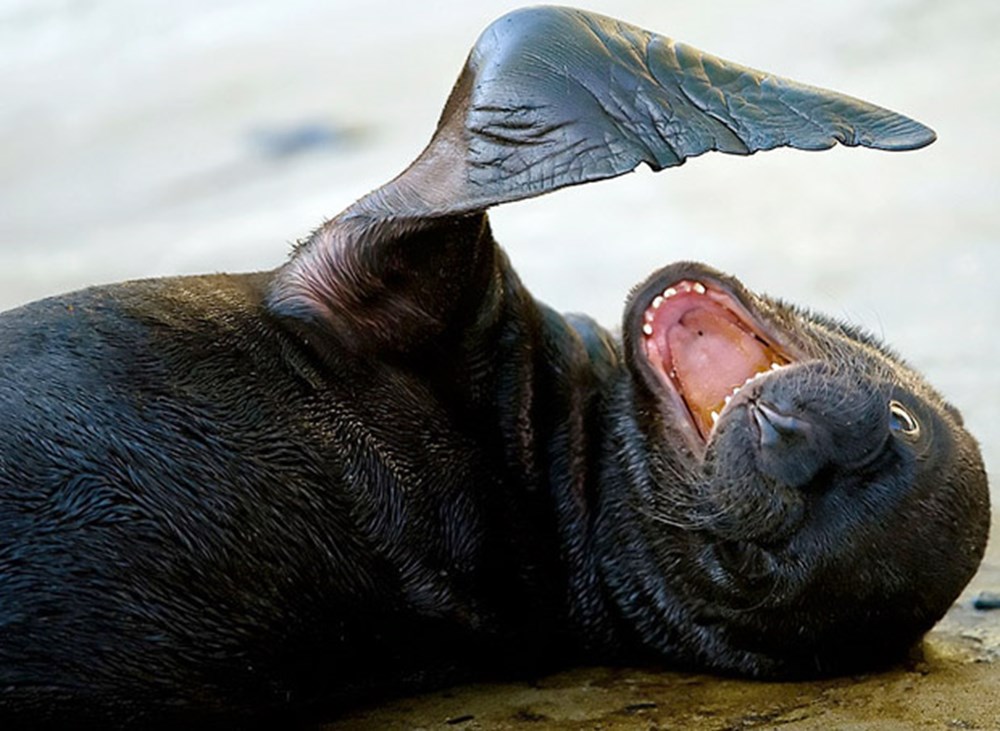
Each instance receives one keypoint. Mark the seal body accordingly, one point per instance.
(254, 499)
(209, 516)
(202, 514)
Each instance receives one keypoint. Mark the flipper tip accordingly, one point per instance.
(902, 133)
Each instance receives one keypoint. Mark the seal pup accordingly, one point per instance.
(245, 499)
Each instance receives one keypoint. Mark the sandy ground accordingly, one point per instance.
(950, 682)
(154, 138)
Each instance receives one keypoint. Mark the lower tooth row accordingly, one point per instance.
(659, 299)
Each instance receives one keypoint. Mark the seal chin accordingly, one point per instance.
(704, 346)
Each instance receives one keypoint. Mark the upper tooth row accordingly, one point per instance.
(751, 379)
(736, 390)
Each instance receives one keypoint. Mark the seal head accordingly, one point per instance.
(811, 499)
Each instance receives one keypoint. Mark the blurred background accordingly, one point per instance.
(159, 137)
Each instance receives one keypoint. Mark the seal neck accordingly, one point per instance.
(552, 374)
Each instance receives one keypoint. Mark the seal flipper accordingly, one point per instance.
(550, 97)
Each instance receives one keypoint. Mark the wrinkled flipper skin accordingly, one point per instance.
(251, 500)
(550, 97)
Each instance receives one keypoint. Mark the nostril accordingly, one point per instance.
(775, 427)
(790, 448)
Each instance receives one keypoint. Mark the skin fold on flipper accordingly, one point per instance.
(253, 500)
(551, 97)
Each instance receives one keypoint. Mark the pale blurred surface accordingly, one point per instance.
(142, 139)
(162, 137)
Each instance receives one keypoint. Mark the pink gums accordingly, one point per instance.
(704, 349)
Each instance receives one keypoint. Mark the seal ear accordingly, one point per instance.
(552, 97)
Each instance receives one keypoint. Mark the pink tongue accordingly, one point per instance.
(711, 356)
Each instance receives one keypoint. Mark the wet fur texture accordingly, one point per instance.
(256, 499)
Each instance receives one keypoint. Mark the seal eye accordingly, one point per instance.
(902, 421)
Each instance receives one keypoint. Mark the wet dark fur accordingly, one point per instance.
(255, 499)
(208, 509)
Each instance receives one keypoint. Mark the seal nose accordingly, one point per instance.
(787, 444)
(776, 427)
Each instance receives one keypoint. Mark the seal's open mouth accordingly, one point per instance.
(706, 346)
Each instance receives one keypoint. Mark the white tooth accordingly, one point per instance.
(647, 328)
(775, 366)
(736, 390)
(715, 417)
(669, 292)
(727, 399)
(699, 288)
(657, 301)
(649, 316)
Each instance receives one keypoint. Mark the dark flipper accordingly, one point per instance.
(551, 97)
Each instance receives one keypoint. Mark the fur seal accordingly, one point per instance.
(233, 500)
